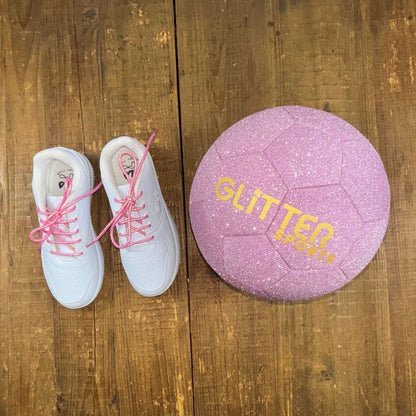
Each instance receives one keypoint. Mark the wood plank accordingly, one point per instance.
(126, 54)
(4, 251)
(45, 341)
(393, 30)
(89, 50)
(336, 354)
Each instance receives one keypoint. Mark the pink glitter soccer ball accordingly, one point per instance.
(290, 203)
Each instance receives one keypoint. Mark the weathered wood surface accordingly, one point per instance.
(77, 74)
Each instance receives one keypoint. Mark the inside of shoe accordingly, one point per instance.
(129, 164)
(57, 173)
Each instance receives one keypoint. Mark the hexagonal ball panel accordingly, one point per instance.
(306, 156)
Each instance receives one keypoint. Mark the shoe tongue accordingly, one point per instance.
(52, 202)
(123, 190)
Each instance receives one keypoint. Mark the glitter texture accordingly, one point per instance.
(306, 156)
(290, 203)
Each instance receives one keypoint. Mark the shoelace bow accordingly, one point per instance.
(129, 205)
(54, 229)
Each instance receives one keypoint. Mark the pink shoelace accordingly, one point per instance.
(129, 205)
(54, 228)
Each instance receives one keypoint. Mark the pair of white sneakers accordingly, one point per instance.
(72, 258)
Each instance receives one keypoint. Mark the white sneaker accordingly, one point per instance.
(62, 188)
(147, 236)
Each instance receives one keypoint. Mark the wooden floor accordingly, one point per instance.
(78, 73)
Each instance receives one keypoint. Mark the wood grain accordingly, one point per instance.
(78, 73)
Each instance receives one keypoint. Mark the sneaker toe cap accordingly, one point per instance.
(153, 275)
(73, 287)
